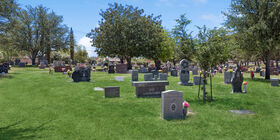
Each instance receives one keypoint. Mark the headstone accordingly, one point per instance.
(195, 71)
(196, 80)
(184, 73)
(163, 76)
(237, 81)
(134, 75)
(148, 77)
(227, 77)
(121, 68)
(262, 73)
(258, 70)
(172, 105)
(111, 69)
(112, 92)
(150, 88)
(42, 65)
(174, 72)
(21, 64)
(81, 74)
(274, 82)
(17, 61)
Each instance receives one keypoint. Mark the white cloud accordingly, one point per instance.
(85, 41)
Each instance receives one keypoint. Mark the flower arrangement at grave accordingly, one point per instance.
(69, 73)
(230, 70)
(245, 86)
(186, 105)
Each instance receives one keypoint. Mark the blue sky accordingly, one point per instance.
(83, 15)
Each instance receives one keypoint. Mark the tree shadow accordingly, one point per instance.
(15, 131)
(6, 76)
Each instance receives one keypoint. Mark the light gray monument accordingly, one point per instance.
(196, 80)
(195, 71)
(274, 82)
(134, 75)
(184, 73)
(227, 77)
(149, 88)
(148, 77)
(163, 76)
(112, 92)
(172, 105)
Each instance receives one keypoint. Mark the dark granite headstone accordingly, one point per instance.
(81, 74)
(274, 82)
(4, 68)
(21, 64)
(112, 92)
(134, 75)
(121, 68)
(111, 69)
(174, 72)
(237, 81)
(150, 88)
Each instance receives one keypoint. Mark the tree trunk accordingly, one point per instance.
(267, 69)
(128, 60)
(33, 60)
(277, 65)
(48, 54)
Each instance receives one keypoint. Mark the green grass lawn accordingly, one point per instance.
(36, 105)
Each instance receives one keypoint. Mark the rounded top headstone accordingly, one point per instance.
(184, 64)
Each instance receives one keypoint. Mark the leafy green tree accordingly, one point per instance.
(126, 32)
(40, 32)
(81, 54)
(258, 22)
(213, 48)
(184, 40)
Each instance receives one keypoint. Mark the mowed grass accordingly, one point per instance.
(36, 105)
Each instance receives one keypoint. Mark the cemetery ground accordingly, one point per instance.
(36, 105)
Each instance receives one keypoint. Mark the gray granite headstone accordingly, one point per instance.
(174, 72)
(148, 77)
(172, 105)
(274, 82)
(134, 75)
(196, 80)
(42, 65)
(163, 76)
(227, 77)
(237, 81)
(184, 73)
(195, 71)
(112, 92)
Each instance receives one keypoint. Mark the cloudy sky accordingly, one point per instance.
(83, 15)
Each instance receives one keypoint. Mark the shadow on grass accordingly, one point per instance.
(257, 80)
(6, 76)
(14, 131)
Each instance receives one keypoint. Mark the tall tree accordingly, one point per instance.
(258, 22)
(183, 38)
(125, 32)
(72, 43)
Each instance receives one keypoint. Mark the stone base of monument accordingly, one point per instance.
(185, 84)
(150, 88)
